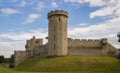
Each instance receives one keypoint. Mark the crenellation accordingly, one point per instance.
(96, 40)
(85, 42)
(90, 40)
(58, 12)
(59, 45)
(57, 33)
(83, 39)
(33, 42)
(104, 41)
(77, 40)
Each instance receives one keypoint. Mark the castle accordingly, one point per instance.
(60, 45)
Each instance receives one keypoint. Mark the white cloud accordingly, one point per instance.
(23, 3)
(24, 35)
(19, 40)
(92, 3)
(103, 12)
(6, 54)
(40, 6)
(74, 1)
(54, 4)
(82, 25)
(31, 18)
(8, 48)
(8, 11)
(108, 29)
(112, 8)
(109, 8)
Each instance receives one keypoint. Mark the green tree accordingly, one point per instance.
(2, 59)
(11, 60)
(118, 35)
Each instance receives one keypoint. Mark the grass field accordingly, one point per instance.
(70, 64)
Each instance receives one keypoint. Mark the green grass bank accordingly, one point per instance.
(75, 64)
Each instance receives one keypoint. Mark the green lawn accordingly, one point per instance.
(70, 64)
(6, 70)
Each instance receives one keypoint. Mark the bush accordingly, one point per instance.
(118, 56)
(11, 66)
(2, 59)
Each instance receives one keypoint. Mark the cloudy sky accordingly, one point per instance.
(88, 19)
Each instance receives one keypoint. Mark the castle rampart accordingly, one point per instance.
(59, 45)
(57, 33)
(20, 56)
(58, 12)
(86, 42)
(33, 42)
(40, 51)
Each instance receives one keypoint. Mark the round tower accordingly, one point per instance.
(57, 33)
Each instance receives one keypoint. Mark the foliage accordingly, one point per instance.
(11, 61)
(118, 56)
(7, 60)
(2, 59)
(118, 35)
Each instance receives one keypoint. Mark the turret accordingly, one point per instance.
(104, 41)
(57, 33)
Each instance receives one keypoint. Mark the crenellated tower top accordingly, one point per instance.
(57, 12)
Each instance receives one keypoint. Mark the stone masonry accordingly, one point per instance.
(59, 45)
(57, 33)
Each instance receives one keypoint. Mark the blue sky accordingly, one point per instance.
(88, 19)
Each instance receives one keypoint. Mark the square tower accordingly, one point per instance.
(57, 33)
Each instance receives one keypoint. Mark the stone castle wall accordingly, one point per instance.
(76, 47)
(78, 51)
(33, 42)
(109, 50)
(57, 32)
(59, 45)
(34, 48)
(90, 43)
(90, 47)
(20, 56)
(40, 51)
(85, 47)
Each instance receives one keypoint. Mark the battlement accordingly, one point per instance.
(84, 40)
(33, 42)
(57, 12)
(87, 42)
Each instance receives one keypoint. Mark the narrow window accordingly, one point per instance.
(54, 37)
(54, 46)
(59, 19)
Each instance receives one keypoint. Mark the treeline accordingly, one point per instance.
(9, 61)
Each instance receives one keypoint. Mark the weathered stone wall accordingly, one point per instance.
(90, 43)
(109, 50)
(57, 33)
(20, 56)
(33, 42)
(40, 51)
(89, 47)
(78, 51)
(84, 47)
(59, 45)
